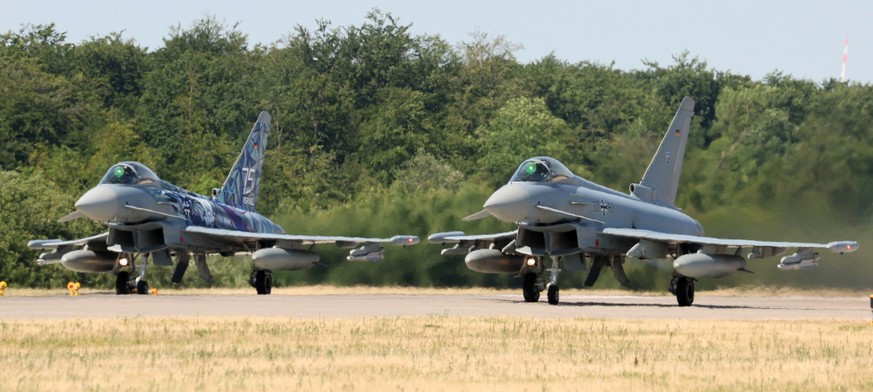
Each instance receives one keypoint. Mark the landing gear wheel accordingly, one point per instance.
(553, 294)
(684, 291)
(142, 287)
(529, 288)
(121, 286)
(263, 282)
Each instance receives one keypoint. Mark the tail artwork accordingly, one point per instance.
(660, 182)
(241, 187)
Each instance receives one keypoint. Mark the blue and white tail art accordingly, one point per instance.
(241, 187)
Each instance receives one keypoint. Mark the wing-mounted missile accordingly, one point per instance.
(803, 259)
(760, 252)
(50, 258)
(367, 252)
(455, 250)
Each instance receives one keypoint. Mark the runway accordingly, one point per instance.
(394, 305)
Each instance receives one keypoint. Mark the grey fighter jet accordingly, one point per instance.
(571, 220)
(147, 216)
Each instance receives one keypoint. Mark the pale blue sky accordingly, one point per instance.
(802, 38)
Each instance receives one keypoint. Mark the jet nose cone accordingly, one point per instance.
(511, 203)
(99, 203)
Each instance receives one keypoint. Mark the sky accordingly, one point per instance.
(802, 38)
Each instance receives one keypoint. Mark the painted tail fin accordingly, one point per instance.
(241, 187)
(661, 179)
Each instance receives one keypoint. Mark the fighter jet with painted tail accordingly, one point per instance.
(147, 216)
(573, 222)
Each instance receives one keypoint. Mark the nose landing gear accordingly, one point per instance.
(533, 282)
(124, 285)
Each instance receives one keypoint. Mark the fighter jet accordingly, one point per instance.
(571, 221)
(147, 216)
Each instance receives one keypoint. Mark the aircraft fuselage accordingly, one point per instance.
(148, 217)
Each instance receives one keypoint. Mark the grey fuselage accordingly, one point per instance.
(567, 203)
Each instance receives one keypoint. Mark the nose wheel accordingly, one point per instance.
(553, 294)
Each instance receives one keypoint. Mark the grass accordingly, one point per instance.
(434, 353)
(758, 291)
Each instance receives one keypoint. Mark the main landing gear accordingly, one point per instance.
(683, 288)
(262, 280)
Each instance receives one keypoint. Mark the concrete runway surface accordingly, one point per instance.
(392, 305)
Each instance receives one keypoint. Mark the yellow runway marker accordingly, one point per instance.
(73, 288)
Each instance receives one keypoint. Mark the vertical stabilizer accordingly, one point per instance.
(241, 187)
(660, 182)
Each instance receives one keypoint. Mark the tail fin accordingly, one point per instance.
(241, 187)
(661, 179)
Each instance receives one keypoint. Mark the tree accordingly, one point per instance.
(521, 129)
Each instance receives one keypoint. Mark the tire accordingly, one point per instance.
(263, 282)
(142, 287)
(553, 294)
(684, 291)
(121, 286)
(529, 288)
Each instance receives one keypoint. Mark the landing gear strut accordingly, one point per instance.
(263, 281)
(683, 288)
(553, 290)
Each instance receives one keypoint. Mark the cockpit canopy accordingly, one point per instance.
(130, 173)
(541, 169)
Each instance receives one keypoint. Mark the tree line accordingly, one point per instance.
(378, 131)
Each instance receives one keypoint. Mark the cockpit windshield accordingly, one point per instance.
(130, 173)
(541, 169)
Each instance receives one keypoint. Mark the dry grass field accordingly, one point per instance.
(439, 353)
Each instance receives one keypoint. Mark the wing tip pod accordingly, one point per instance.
(404, 240)
(843, 246)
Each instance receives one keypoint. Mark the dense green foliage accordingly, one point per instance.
(378, 131)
